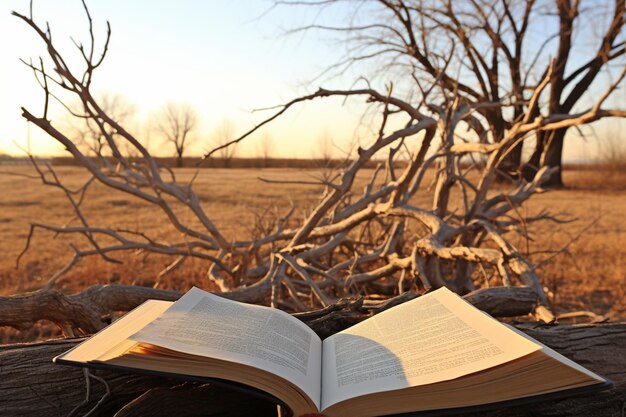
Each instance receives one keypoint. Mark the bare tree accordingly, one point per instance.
(569, 86)
(87, 131)
(324, 148)
(266, 148)
(223, 134)
(482, 51)
(175, 123)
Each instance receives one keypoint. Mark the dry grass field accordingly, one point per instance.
(589, 274)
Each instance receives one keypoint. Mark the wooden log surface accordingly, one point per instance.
(90, 310)
(31, 385)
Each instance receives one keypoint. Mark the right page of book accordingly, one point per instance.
(433, 338)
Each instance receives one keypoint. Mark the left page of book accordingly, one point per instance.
(113, 340)
(204, 324)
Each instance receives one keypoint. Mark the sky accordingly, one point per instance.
(225, 58)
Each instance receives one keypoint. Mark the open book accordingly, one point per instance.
(432, 353)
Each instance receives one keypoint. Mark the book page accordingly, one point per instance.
(201, 323)
(558, 357)
(434, 338)
(112, 340)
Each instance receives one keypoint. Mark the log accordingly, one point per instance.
(30, 384)
(90, 310)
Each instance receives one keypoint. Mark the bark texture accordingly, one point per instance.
(91, 310)
(31, 384)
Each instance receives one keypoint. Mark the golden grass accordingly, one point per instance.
(590, 275)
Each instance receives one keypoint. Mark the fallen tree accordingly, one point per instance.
(32, 385)
(363, 237)
(91, 310)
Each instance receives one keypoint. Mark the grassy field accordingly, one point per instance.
(589, 275)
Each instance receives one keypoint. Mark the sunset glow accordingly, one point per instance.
(224, 58)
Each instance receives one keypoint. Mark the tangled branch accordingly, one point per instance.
(374, 241)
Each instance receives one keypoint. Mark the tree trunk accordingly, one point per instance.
(554, 158)
(511, 165)
(32, 385)
(548, 152)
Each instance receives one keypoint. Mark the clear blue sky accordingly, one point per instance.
(223, 57)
